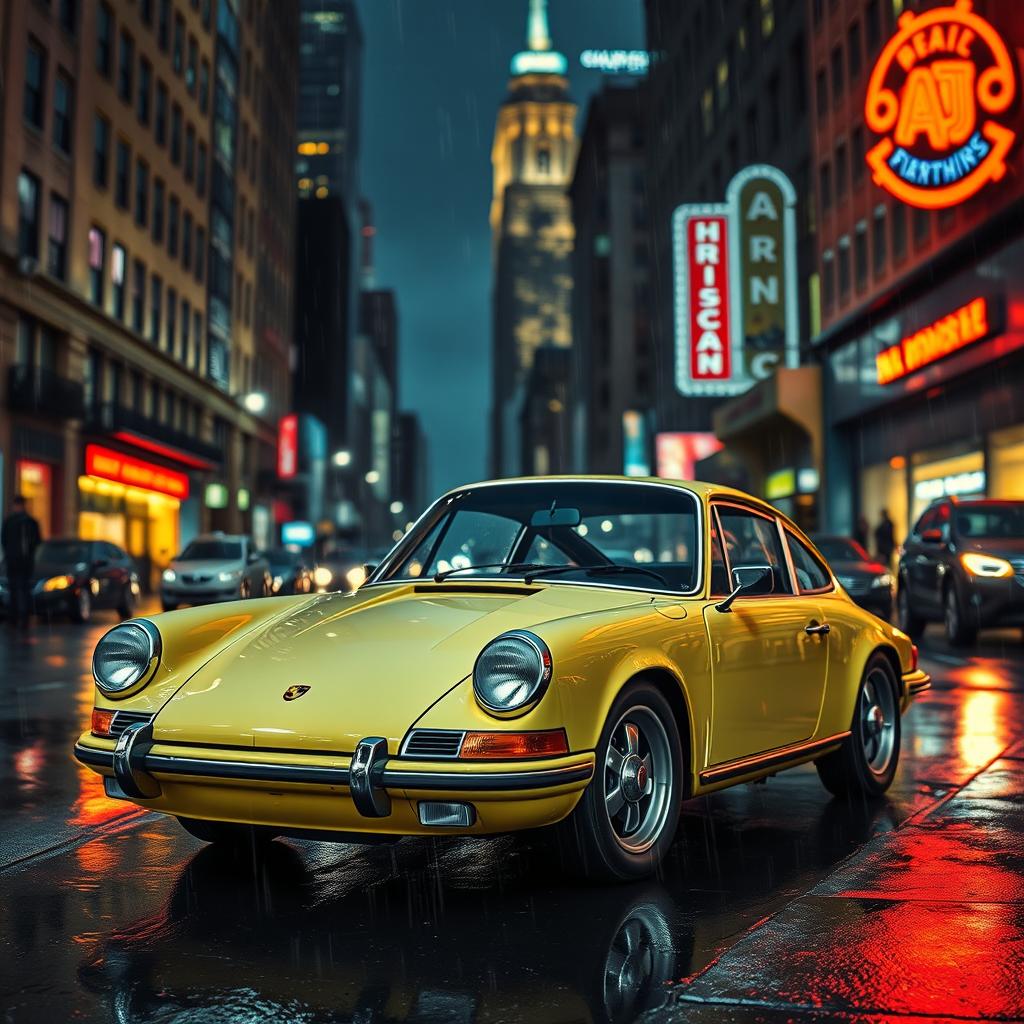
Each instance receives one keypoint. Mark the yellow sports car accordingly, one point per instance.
(583, 653)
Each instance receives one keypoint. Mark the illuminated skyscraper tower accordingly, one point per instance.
(533, 156)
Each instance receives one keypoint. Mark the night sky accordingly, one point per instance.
(435, 72)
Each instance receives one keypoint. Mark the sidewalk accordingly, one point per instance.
(923, 922)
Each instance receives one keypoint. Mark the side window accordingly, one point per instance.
(110, 553)
(810, 573)
(719, 571)
(926, 522)
(752, 539)
(942, 521)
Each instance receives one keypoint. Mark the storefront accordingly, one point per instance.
(928, 401)
(136, 503)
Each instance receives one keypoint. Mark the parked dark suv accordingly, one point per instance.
(963, 564)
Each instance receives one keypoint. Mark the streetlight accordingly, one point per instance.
(342, 458)
(372, 477)
(397, 508)
(255, 402)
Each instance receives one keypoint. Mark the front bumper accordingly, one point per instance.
(916, 682)
(369, 792)
(993, 602)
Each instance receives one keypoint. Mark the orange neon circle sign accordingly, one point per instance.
(934, 97)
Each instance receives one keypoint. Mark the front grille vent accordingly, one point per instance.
(433, 743)
(122, 719)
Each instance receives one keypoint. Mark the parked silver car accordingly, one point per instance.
(215, 567)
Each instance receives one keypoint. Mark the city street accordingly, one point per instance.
(776, 902)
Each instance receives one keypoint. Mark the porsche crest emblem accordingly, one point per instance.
(295, 692)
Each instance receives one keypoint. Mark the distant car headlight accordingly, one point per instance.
(356, 577)
(278, 580)
(885, 580)
(170, 575)
(58, 583)
(990, 566)
(229, 576)
(125, 655)
(322, 576)
(511, 671)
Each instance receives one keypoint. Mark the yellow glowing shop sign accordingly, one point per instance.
(940, 96)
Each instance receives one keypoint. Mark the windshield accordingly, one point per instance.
(63, 551)
(488, 531)
(990, 521)
(841, 549)
(212, 550)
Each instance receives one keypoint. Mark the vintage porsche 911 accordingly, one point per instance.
(582, 653)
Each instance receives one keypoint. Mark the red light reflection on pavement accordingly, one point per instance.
(983, 726)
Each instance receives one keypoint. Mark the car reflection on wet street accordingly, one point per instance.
(776, 900)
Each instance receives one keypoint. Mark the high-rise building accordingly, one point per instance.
(612, 372)
(533, 157)
(919, 252)
(411, 464)
(129, 329)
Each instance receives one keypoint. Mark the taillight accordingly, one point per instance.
(497, 746)
(102, 721)
(913, 657)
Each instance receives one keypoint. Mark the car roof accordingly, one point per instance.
(700, 487)
(218, 536)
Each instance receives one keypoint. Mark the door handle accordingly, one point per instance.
(815, 630)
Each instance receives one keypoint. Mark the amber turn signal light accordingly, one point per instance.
(102, 721)
(499, 746)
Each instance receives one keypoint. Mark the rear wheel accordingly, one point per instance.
(126, 606)
(866, 762)
(627, 817)
(227, 833)
(911, 624)
(81, 607)
(959, 632)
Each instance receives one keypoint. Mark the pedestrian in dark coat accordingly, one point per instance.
(885, 538)
(19, 538)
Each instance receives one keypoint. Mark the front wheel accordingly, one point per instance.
(626, 819)
(959, 632)
(126, 606)
(866, 762)
(227, 834)
(911, 624)
(81, 608)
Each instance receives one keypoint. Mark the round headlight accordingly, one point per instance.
(511, 671)
(123, 656)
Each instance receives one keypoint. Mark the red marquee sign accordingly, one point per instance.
(939, 96)
(125, 469)
(288, 446)
(709, 298)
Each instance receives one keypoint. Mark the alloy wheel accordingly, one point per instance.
(877, 714)
(638, 779)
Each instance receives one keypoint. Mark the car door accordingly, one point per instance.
(769, 655)
(106, 572)
(924, 556)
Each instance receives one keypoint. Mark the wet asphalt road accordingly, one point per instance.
(778, 903)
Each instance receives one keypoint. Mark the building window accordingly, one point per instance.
(853, 51)
(63, 98)
(141, 193)
(200, 254)
(186, 241)
(158, 210)
(878, 241)
(872, 26)
(118, 270)
(122, 172)
(190, 152)
(35, 83)
(798, 71)
(163, 25)
(67, 13)
(185, 352)
(821, 93)
(197, 340)
(173, 209)
(190, 68)
(860, 255)
(160, 120)
(145, 90)
(104, 40)
(837, 73)
(172, 320)
(57, 238)
(100, 151)
(138, 295)
(178, 59)
(922, 226)
(156, 295)
(126, 67)
(97, 259)
(176, 134)
(204, 85)
(825, 185)
(899, 231)
(844, 266)
(857, 161)
(28, 215)
(201, 170)
(841, 166)
(828, 279)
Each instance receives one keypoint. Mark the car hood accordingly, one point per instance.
(1002, 547)
(373, 662)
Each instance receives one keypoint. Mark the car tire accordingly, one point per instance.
(626, 819)
(126, 606)
(911, 624)
(227, 834)
(959, 632)
(865, 763)
(81, 606)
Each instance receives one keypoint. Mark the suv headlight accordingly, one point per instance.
(511, 672)
(885, 580)
(229, 575)
(126, 655)
(979, 564)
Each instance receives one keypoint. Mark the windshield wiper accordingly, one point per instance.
(595, 570)
(440, 577)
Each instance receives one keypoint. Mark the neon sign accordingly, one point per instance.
(935, 97)
(736, 316)
(631, 62)
(288, 446)
(968, 324)
(124, 469)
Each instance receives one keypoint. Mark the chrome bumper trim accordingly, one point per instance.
(917, 682)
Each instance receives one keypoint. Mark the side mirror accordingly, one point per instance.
(749, 580)
(932, 537)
